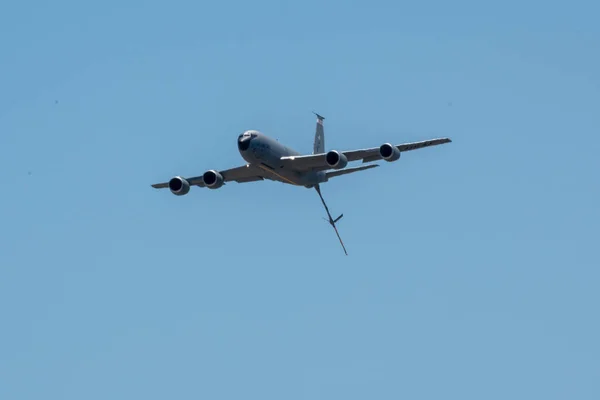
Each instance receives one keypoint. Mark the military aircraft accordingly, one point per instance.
(268, 159)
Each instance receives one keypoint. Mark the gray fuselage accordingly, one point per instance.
(265, 153)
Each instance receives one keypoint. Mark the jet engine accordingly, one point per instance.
(179, 186)
(336, 160)
(213, 179)
(389, 152)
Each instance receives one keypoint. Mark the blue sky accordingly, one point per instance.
(473, 269)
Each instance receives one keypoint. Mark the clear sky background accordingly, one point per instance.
(473, 270)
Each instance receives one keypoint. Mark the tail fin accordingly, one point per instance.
(319, 145)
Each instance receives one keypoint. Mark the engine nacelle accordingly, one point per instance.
(179, 186)
(389, 152)
(213, 179)
(336, 160)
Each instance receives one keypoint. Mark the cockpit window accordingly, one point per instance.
(244, 140)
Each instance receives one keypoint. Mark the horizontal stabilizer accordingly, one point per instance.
(350, 170)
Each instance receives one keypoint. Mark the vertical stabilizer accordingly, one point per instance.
(319, 145)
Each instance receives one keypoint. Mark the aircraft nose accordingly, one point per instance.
(244, 142)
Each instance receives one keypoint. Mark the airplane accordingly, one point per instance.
(267, 159)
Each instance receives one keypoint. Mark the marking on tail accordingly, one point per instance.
(319, 145)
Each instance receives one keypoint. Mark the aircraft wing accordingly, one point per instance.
(318, 162)
(242, 174)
